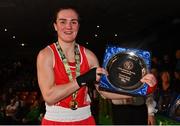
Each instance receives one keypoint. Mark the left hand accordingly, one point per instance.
(149, 79)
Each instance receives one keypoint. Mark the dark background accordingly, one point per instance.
(147, 24)
(26, 27)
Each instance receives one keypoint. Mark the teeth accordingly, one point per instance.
(68, 32)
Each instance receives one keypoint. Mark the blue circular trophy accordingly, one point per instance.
(126, 66)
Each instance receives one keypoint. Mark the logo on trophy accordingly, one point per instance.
(126, 67)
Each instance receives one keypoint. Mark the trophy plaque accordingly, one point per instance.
(125, 67)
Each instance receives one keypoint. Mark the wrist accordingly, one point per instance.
(76, 83)
(87, 78)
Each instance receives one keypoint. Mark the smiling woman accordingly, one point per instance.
(64, 69)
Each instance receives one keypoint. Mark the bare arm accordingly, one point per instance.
(111, 95)
(51, 92)
(92, 59)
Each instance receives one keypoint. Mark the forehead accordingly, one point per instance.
(67, 14)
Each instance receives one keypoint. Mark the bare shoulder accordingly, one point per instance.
(44, 55)
(89, 52)
(92, 59)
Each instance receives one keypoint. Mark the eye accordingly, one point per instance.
(62, 22)
(74, 22)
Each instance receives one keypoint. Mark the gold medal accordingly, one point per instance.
(73, 104)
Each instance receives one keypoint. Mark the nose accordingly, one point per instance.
(68, 25)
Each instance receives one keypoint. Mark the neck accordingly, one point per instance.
(67, 47)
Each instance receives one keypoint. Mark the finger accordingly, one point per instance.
(98, 78)
(149, 79)
(152, 79)
(101, 71)
(150, 82)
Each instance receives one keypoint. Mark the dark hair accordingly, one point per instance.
(64, 7)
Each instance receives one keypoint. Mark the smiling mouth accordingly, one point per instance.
(68, 33)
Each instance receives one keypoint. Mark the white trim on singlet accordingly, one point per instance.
(61, 114)
(81, 57)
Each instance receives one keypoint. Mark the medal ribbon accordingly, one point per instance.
(67, 67)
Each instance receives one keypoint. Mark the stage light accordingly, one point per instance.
(22, 44)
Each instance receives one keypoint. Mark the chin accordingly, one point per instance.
(69, 41)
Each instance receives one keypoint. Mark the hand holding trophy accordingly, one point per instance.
(126, 68)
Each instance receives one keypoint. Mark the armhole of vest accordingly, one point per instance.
(81, 53)
(85, 54)
(53, 55)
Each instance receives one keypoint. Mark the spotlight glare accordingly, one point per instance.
(22, 44)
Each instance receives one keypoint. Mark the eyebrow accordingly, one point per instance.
(67, 19)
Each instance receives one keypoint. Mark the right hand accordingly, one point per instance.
(91, 76)
(100, 71)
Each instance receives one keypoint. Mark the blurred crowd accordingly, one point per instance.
(167, 93)
(20, 98)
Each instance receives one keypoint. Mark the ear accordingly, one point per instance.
(55, 26)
